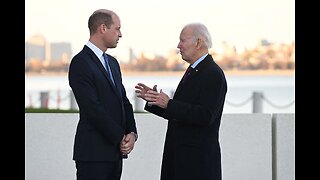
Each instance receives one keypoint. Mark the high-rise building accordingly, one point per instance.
(61, 51)
(35, 48)
(38, 48)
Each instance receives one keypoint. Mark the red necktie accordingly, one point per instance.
(186, 73)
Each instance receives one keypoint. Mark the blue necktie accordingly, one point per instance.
(105, 57)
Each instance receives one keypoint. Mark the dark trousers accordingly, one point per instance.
(110, 170)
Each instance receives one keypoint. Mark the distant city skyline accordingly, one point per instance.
(154, 26)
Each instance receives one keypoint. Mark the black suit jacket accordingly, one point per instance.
(192, 149)
(105, 111)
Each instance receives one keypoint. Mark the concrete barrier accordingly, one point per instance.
(253, 146)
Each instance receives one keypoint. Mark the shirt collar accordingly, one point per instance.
(96, 50)
(199, 60)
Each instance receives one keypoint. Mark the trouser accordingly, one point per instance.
(105, 170)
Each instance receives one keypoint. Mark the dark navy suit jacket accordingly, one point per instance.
(192, 149)
(105, 113)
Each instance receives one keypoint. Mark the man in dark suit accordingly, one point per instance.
(191, 149)
(106, 131)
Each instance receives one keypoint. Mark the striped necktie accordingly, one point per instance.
(105, 57)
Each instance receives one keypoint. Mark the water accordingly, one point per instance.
(278, 91)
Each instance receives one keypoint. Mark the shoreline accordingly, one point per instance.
(179, 73)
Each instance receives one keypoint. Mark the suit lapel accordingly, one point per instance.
(103, 70)
(100, 66)
(116, 75)
(193, 73)
(188, 79)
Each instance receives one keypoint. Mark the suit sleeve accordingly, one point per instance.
(130, 121)
(202, 107)
(128, 110)
(155, 110)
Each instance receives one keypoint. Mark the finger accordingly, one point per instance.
(144, 86)
(152, 92)
(155, 87)
(125, 146)
(149, 99)
(126, 150)
(150, 96)
(128, 138)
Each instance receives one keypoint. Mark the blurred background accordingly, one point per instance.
(253, 42)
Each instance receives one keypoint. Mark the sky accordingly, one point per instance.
(154, 26)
